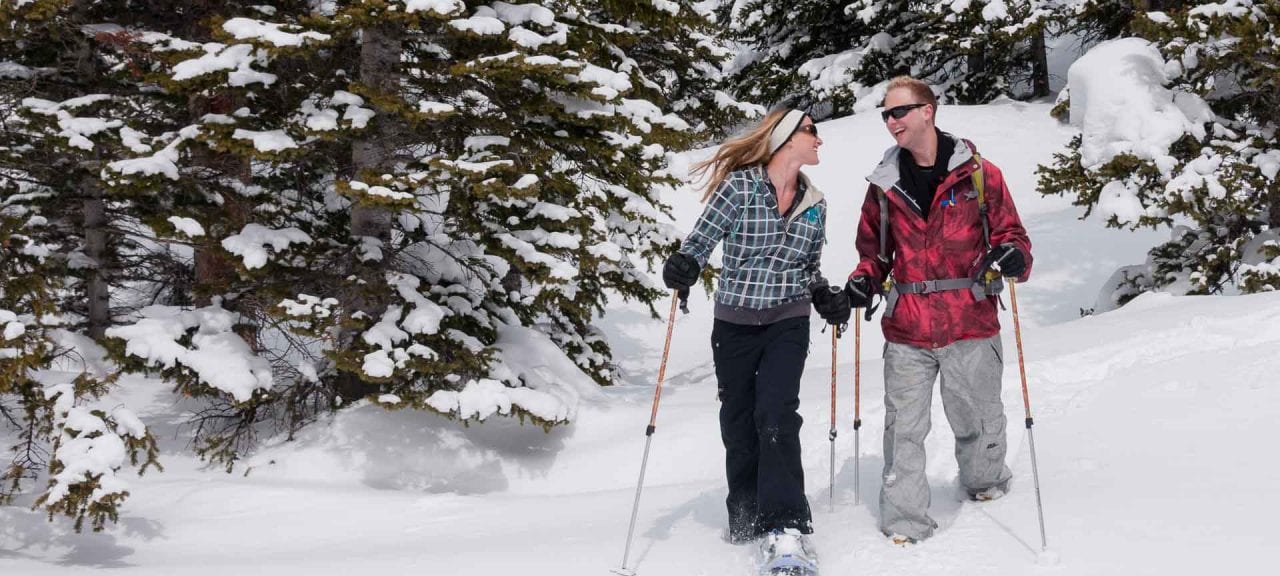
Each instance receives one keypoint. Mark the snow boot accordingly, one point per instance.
(993, 493)
(787, 553)
(900, 540)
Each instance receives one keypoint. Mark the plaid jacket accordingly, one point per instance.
(768, 261)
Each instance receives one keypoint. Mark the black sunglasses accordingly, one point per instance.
(899, 112)
(810, 128)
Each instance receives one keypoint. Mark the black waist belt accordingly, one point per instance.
(979, 289)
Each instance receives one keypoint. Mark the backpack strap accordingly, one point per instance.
(884, 226)
(979, 184)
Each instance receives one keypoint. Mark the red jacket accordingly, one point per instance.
(948, 245)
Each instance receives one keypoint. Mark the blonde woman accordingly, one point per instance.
(772, 222)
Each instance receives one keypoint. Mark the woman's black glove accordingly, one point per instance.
(680, 271)
(859, 290)
(832, 304)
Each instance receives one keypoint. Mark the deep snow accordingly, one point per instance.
(1153, 428)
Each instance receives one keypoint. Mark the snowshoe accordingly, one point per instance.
(787, 553)
(993, 493)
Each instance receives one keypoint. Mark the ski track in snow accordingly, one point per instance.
(1152, 429)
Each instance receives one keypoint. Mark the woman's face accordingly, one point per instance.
(804, 143)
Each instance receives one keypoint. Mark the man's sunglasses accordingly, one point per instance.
(810, 128)
(899, 112)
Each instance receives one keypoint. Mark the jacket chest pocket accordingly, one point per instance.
(961, 221)
(959, 207)
(804, 233)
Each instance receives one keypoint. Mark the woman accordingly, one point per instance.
(772, 221)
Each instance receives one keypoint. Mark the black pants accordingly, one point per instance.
(758, 369)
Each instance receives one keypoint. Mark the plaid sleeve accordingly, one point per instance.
(714, 224)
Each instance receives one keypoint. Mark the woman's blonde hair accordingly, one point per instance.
(750, 147)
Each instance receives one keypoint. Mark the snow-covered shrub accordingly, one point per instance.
(1178, 129)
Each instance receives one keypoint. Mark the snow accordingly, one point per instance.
(250, 29)
(525, 181)
(517, 14)
(216, 354)
(552, 211)
(481, 25)
(1119, 102)
(252, 241)
(441, 7)
(1152, 427)
(1119, 198)
(533, 40)
(77, 130)
(218, 57)
(382, 191)
(12, 328)
(325, 119)
(668, 6)
(434, 107)
(267, 141)
(187, 226)
(308, 305)
(10, 69)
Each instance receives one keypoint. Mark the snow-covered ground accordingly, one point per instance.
(1153, 423)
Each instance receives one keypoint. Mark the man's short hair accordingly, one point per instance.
(919, 89)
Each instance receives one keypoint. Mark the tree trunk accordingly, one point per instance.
(97, 286)
(1039, 63)
(1273, 211)
(214, 271)
(380, 50)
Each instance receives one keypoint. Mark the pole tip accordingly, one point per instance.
(623, 572)
(1048, 557)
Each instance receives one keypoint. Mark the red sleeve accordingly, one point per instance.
(868, 240)
(1006, 226)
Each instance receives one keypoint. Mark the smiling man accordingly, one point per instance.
(936, 220)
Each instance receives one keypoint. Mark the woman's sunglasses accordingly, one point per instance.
(810, 128)
(899, 112)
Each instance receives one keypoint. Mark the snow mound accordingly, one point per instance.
(1120, 103)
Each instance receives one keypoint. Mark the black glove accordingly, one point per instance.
(832, 304)
(680, 272)
(859, 290)
(1009, 259)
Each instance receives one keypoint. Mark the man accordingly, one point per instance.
(937, 221)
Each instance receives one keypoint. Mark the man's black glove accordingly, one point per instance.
(1011, 261)
(832, 304)
(859, 290)
(680, 271)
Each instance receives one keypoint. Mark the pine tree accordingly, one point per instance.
(295, 205)
(1221, 179)
(827, 57)
(504, 165)
(67, 112)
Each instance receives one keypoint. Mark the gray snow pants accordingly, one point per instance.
(971, 372)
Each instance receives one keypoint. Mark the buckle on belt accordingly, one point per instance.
(928, 286)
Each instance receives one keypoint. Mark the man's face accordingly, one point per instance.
(909, 130)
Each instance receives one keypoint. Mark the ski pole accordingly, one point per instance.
(857, 402)
(648, 433)
(1026, 403)
(835, 334)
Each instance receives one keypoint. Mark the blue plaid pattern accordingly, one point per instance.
(768, 260)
